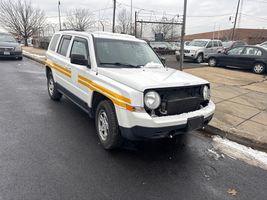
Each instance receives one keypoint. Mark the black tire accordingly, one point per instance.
(110, 137)
(54, 94)
(20, 58)
(259, 68)
(200, 58)
(212, 62)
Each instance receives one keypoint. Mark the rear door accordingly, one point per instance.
(61, 63)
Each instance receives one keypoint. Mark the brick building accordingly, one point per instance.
(251, 36)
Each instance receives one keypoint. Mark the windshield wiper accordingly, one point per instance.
(120, 64)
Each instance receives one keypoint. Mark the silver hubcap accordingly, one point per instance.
(258, 68)
(199, 59)
(51, 86)
(103, 127)
(212, 62)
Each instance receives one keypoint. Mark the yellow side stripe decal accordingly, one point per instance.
(119, 103)
(111, 93)
(60, 69)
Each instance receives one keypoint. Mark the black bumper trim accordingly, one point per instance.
(145, 133)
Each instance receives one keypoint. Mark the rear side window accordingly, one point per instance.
(80, 47)
(53, 42)
(215, 44)
(250, 51)
(64, 45)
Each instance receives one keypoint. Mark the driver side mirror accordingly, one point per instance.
(79, 60)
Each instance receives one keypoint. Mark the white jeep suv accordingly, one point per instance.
(200, 49)
(120, 81)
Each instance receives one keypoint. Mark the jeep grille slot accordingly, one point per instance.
(175, 101)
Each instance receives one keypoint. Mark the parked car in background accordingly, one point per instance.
(200, 49)
(232, 44)
(9, 47)
(244, 57)
(162, 48)
(187, 43)
(175, 45)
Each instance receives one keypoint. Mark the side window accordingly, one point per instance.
(53, 42)
(236, 51)
(250, 51)
(220, 44)
(215, 44)
(80, 47)
(64, 45)
(209, 45)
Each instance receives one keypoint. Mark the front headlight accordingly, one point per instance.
(152, 100)
(18, 48)
(206, 93)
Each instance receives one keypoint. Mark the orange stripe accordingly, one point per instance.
(120, 97)
(68, 74)
(56, 65)
(121, 104)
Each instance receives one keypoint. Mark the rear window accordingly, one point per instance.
(64, 45)
(53, 42)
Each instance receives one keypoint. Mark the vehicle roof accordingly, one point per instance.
(100, 34)
(207, 40)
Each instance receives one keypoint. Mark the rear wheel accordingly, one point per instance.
(107, 125)
(259, 68)
(52, 88)
(200, 58)
(212, 62)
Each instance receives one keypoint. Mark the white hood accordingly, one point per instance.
(146, 78)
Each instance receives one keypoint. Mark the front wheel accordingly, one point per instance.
(259, 68)
(107, 125)
(52, 88)
(200, 58)
(212, 62)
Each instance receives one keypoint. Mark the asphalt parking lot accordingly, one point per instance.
(49, 150)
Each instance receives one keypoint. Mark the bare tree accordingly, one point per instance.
(21, 18)
(124, 22)
(165, 29)
(79, 18)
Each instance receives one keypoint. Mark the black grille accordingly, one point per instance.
(180, 100)
(187, 51)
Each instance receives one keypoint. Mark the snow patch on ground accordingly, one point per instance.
(240, 152)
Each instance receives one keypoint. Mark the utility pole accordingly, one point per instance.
(182, 38)
(131, 17)
(135, 24)
(236, 16)
(59, 19)
(114, 16)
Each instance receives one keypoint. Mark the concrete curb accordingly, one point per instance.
(41, 61)
(237, 138)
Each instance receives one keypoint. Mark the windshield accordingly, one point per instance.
(120, 53)
(6, 38)
(198, 43)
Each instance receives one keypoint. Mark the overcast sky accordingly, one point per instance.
(205, 15)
